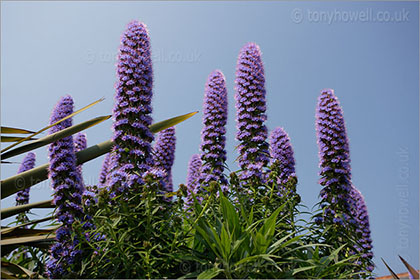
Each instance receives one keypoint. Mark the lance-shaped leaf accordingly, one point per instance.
(13, 130)
(51, 125)
(5, 139)
(411, 269)
(13, 271)
(28, 232)
(42, 241)
(54, 137)
(36, 175)
(8, 230)
(10, 211)
(394, 275)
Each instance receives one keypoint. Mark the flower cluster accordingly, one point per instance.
(334, 158)
(213, 137)
(104, 171)
(67, 187)
(250, 117)
(193, 177)
(164, 155)
(80, 143)
(22, 197)
(282, 159)
(360, 213)
(132, 112)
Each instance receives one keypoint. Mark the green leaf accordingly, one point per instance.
(5, 139)
(230, 215)
(394, 275)
(411, 269)
(54, 137)
(13, 130)
(47, 127)
(156, 127)
(10, 211)
(36, 175)
(210, 273)
(300, 269)
(43, 241)
(8, 270)
(27, 232)
(10, 229)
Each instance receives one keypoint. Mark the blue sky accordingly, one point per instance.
(367, 51)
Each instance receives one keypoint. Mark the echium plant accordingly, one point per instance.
(282, 160)
(22, 197)
(337, 203)
(213, 139)
(132, 111)
(67, 188)
(251, 106)
(334, 159)
(360, 213)
(193, 177)
(164, 155)
(104, 170)
(80, 143)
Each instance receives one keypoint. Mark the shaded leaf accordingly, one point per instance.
(9, 269)
(13, 130)
(14, 138)
(10, 211)
(411, 269)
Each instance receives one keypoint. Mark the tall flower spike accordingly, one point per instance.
(360, 213)
(213, 137)
(193, 177)
(164, 155)
(282, 158)
(67, 188)
(334, 156)
(104, 171)
(80, 143)
(250, 117)
(22, 197)
(132, 111)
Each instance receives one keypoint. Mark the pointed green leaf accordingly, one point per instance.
(394, 275)
(47, 127)
(10, 211)
(209, 273)
(54, 137)
(10, 269)
(13, 130)
(156, 127)
(411, 269)
(5, 139)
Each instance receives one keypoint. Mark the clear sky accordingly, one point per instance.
(368, 52)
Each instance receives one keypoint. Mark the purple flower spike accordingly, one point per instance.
(22, 197)
(281, 153)
(250, 117)
(132, 110)
(104, 171)
(67, 187)
(164, 155)
(213, 137)
(333, 152)
(360, 213)
(80, 143)
(193, 177)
